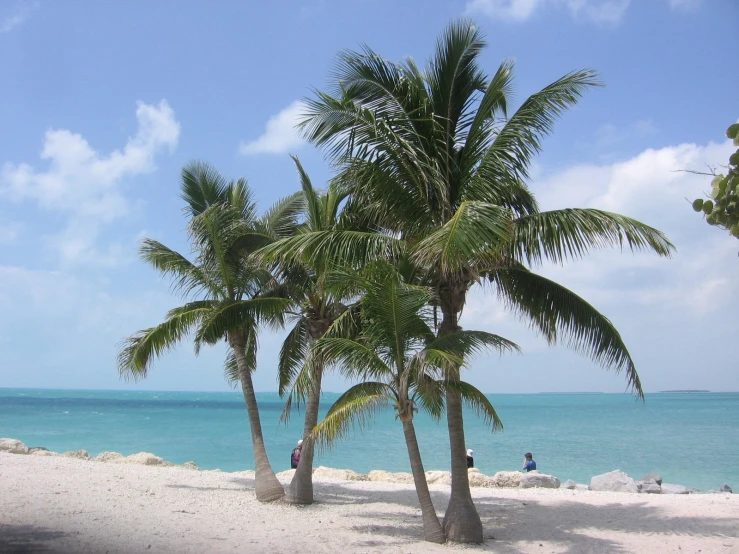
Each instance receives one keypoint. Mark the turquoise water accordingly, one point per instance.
(691, 439)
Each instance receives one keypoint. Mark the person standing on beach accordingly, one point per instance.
(470, 458)
(528, 462)
(295, 456)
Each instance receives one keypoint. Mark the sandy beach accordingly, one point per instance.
(56, 504)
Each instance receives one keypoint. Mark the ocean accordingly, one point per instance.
(691, 439)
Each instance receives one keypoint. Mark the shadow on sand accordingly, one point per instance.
(506, 521)
(17, 539)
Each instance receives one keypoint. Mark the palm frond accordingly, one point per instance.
(137, 351)
(202, 186)
(520, 138)
(353, 248)
(475, 227)
(233, 315)
(281, 219)
(476, 400)
(357, 359)
(570, 233)
(359, 411)
(187, 277)
(562, 316)
(293, 355)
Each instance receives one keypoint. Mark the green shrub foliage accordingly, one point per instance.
(722, 208)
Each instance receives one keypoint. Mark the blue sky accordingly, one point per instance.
(103, 103)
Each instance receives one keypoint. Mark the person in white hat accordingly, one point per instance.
(295, 456)
(470, 458)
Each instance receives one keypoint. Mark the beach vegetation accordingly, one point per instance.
(228, 298)
(436, 162)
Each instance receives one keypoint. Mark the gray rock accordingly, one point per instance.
(507, 479)
(651, 488)
(725, 488)
(538, 480)
(32, 449)
(656, 477)
(190, 465)
(668, 488)
(614, 481)
(570, 484)
(13, 446)
(648, 486)
(79, 454)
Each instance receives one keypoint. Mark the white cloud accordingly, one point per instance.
(596, 11)
(85, 185)
(21, 14)
(280, 134)
(685, 5)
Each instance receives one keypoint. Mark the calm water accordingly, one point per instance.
(691, 439)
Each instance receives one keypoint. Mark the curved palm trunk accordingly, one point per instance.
(268, 488)
(300, 490)
(432, 531)
(461, 520)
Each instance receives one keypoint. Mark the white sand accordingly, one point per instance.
(54, 504)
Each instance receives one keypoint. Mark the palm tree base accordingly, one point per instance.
(462, 522)
(268, 489)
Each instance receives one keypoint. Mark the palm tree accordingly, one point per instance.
(398, 358)
(309, 286)
(432, 159)
(227, 295)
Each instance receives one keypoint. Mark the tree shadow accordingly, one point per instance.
(17, 539)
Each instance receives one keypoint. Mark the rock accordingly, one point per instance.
(538, 480)
(109, 457)
(656, 477)
(570, 484)
(190, 465)
(439, 477)
(725, 488)
(145, 459)
(387, 477)
(478, 479)
(507, 479)
(43, 452)
(287, 474)
(614, 481)
(338, 474)
(668, 488)
(79, 454)
(34, 449)
(13, 446)
(650, 487)
(582, 487)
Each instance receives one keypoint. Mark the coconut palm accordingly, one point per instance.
(432, 159)
(398, 359)
(225, 292)
(309, 286)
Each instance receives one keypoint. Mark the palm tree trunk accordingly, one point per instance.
(268, 488)
(432, 531)
(461, 520)
(300, 490)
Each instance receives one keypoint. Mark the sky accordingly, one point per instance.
(103, 103)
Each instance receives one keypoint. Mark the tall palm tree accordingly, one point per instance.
(309, 286)
(398, 359)
(432, 159)
(225, 292)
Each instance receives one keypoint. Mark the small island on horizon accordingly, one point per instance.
(683, 391)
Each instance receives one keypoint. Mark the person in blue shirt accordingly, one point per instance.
(528, 462)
